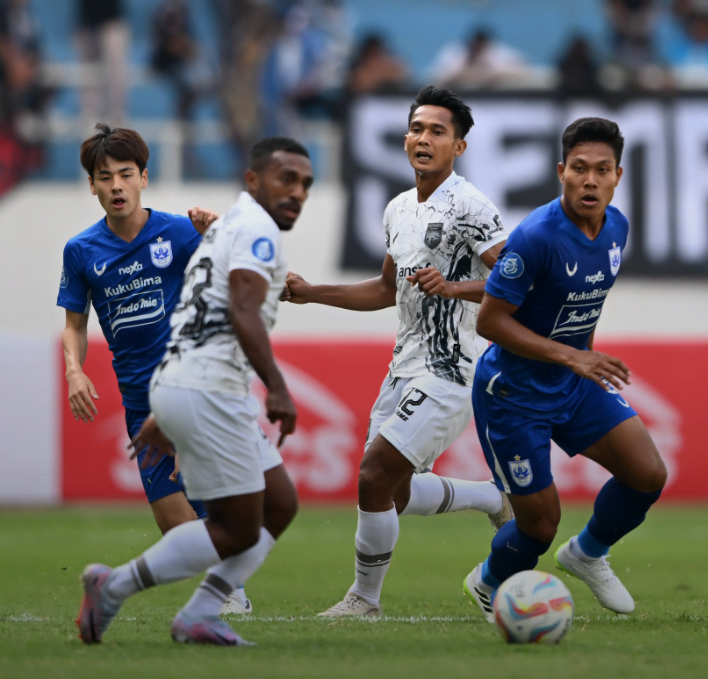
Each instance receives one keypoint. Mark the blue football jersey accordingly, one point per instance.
(559, 279)
(134, 287)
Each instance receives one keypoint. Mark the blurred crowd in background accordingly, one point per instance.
(246, 68)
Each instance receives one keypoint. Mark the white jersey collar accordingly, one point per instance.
(446, 185)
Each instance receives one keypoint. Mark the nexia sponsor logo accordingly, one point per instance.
(130, 270)
(584, 296)
(141, 308)
(595, 278)
(133, 285)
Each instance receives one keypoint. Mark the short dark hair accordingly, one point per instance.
(265, 148)
(119, 143)
(438, 96)
(589, 130)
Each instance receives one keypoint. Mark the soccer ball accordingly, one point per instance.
(533, 607)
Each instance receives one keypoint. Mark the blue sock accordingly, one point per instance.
(197, 506)
(618, 510)
(512, 551)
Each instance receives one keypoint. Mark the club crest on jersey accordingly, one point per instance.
(615, 258)
(521, 472)
(64, 282)
(512, 266)
(263, 249)
(161, 253)
(433, 235)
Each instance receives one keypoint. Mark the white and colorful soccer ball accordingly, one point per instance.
(533, 607)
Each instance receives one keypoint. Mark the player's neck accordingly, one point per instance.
(429, 182)
(127, 228)
(589, 227)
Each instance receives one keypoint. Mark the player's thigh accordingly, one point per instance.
(172, 510)
(430, 414)
(216, 438)
(605, 428)
(628, 452)
(384, 406)
(280, 503)
(517, 448)
(155, 478)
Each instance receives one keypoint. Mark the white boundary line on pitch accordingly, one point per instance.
(411, 619)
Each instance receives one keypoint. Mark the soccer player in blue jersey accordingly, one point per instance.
(541, 380)
(129, 266)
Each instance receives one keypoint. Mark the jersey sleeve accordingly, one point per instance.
(255, 247)
(516, 269)
(484, 228)
(388, 213)
(74, 291)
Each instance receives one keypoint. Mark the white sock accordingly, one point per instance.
(228, 575)
(376, 537)
(184, 551)
(433, 494)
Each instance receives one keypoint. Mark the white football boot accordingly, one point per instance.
(505, 514)
(237, 604)
(597, 575)
(351, 605)
(479, 592)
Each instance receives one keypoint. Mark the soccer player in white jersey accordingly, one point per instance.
(442, 239)
(200, 399)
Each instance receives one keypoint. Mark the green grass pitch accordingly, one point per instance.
(430, 630)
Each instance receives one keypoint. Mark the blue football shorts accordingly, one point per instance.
(517, 444)
(156, 479)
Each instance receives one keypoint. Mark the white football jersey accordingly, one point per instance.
(204, 352)
(449, 231)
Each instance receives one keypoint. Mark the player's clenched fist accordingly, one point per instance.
(202, 218)
(431, 282)
(601, 368)
(297, 289)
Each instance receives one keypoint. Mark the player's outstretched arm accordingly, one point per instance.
(370, 295)
(202, 218)
(431, 282)
(497, 324)
(81, 390)
(248, 291)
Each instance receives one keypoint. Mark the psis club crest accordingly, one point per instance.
(161, 253)
(521, 471)
(615, 258)
(433, 235)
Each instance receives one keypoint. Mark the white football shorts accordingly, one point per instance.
(222, 450)
(420, 416)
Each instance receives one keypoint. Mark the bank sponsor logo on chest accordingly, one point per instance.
(142, 308)
(521, 471)
(161, 253)
(433, 235)
(615, 258)
(576, 319)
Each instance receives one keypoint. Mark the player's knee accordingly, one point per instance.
(542, 528)
(653, 477)
(372, 481)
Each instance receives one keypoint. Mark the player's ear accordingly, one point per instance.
(561, 172)
(619, 172)
(144, 179)
(91, 185)
(252, 181)
(405, 141)
(460, 147)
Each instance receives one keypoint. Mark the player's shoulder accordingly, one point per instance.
(88, 237)
(246, 216)
(397, 205)
(542, 223)
(470, 201)
(180, 222)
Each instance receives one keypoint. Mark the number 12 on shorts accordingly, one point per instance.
(412, 398)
